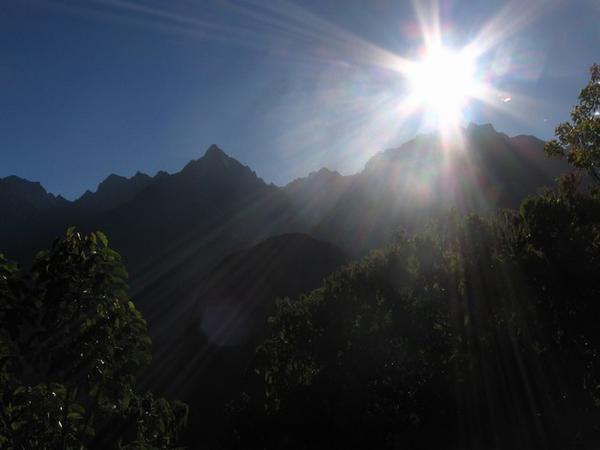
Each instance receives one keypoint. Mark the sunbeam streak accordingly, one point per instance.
(432, 84)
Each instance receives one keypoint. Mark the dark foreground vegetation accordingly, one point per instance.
(475, 333)
(71, 344)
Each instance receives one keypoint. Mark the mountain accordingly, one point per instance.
(215, 320)
(206, 310)
(212, 206)
(246, 281)
(317, 193)
(240, 289)
(114, 191)
(21, 202)
(186, 221)
(406, 187)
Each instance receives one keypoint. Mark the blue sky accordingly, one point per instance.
(93, 87)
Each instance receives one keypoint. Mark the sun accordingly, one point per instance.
(442, 83)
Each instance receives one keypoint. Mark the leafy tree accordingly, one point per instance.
(476, 333)
(579, 141)
(72, 342)
(479, 333)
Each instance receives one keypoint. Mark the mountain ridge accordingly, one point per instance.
(204, 249)
(215, 149)
(217, 202)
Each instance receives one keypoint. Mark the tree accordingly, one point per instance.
(478, 333)
(72, 342)
(579, 141)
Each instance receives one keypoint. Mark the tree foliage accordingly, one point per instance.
(479, 333)
(579, 140)
(72, 342)
(476, 333)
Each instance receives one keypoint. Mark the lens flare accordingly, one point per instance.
(443, 82)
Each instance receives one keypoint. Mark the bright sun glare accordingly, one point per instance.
(442, 83)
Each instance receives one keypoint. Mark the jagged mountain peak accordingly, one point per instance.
(213, 154)
(481, 127)
(21, 201)
(111, 181)
(488, 170)
(485, 131)
(526, 140)
(214, 157)
(18, 182)
(324, 174)
(216, 166)
(113, 191)
(324, 171)
(13, 179)
(28, 191)
(474, 137)
(215, 151)
(115, 182)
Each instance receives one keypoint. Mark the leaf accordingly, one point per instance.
(102, 237)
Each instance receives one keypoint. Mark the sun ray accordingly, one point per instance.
(432, 87)
(512, 18)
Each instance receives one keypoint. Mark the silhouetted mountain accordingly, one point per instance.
(186, 221)
(406, 187)
(21, 193)
(214, 205)
(316, 194)
(173, 229)
(21, 202)
(114, 191)
(216, 319)
(247, 280)
(240, 288)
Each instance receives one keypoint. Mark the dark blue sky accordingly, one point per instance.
(93, 87)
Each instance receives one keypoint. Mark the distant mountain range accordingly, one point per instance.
(206, 309)
(216, 205)
(177, 227)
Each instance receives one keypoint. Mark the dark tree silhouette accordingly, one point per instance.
(474, 334)
(579, 140)
(72, 342)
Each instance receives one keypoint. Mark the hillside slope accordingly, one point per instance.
(206, 338)
(408, 186)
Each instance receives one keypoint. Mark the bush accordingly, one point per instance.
(71, 344)
(475, 334)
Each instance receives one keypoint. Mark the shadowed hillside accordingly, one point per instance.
(211, 207)
(216, 205)
(215, 321)
(206, 311)
(408, 186)
(22, 202)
